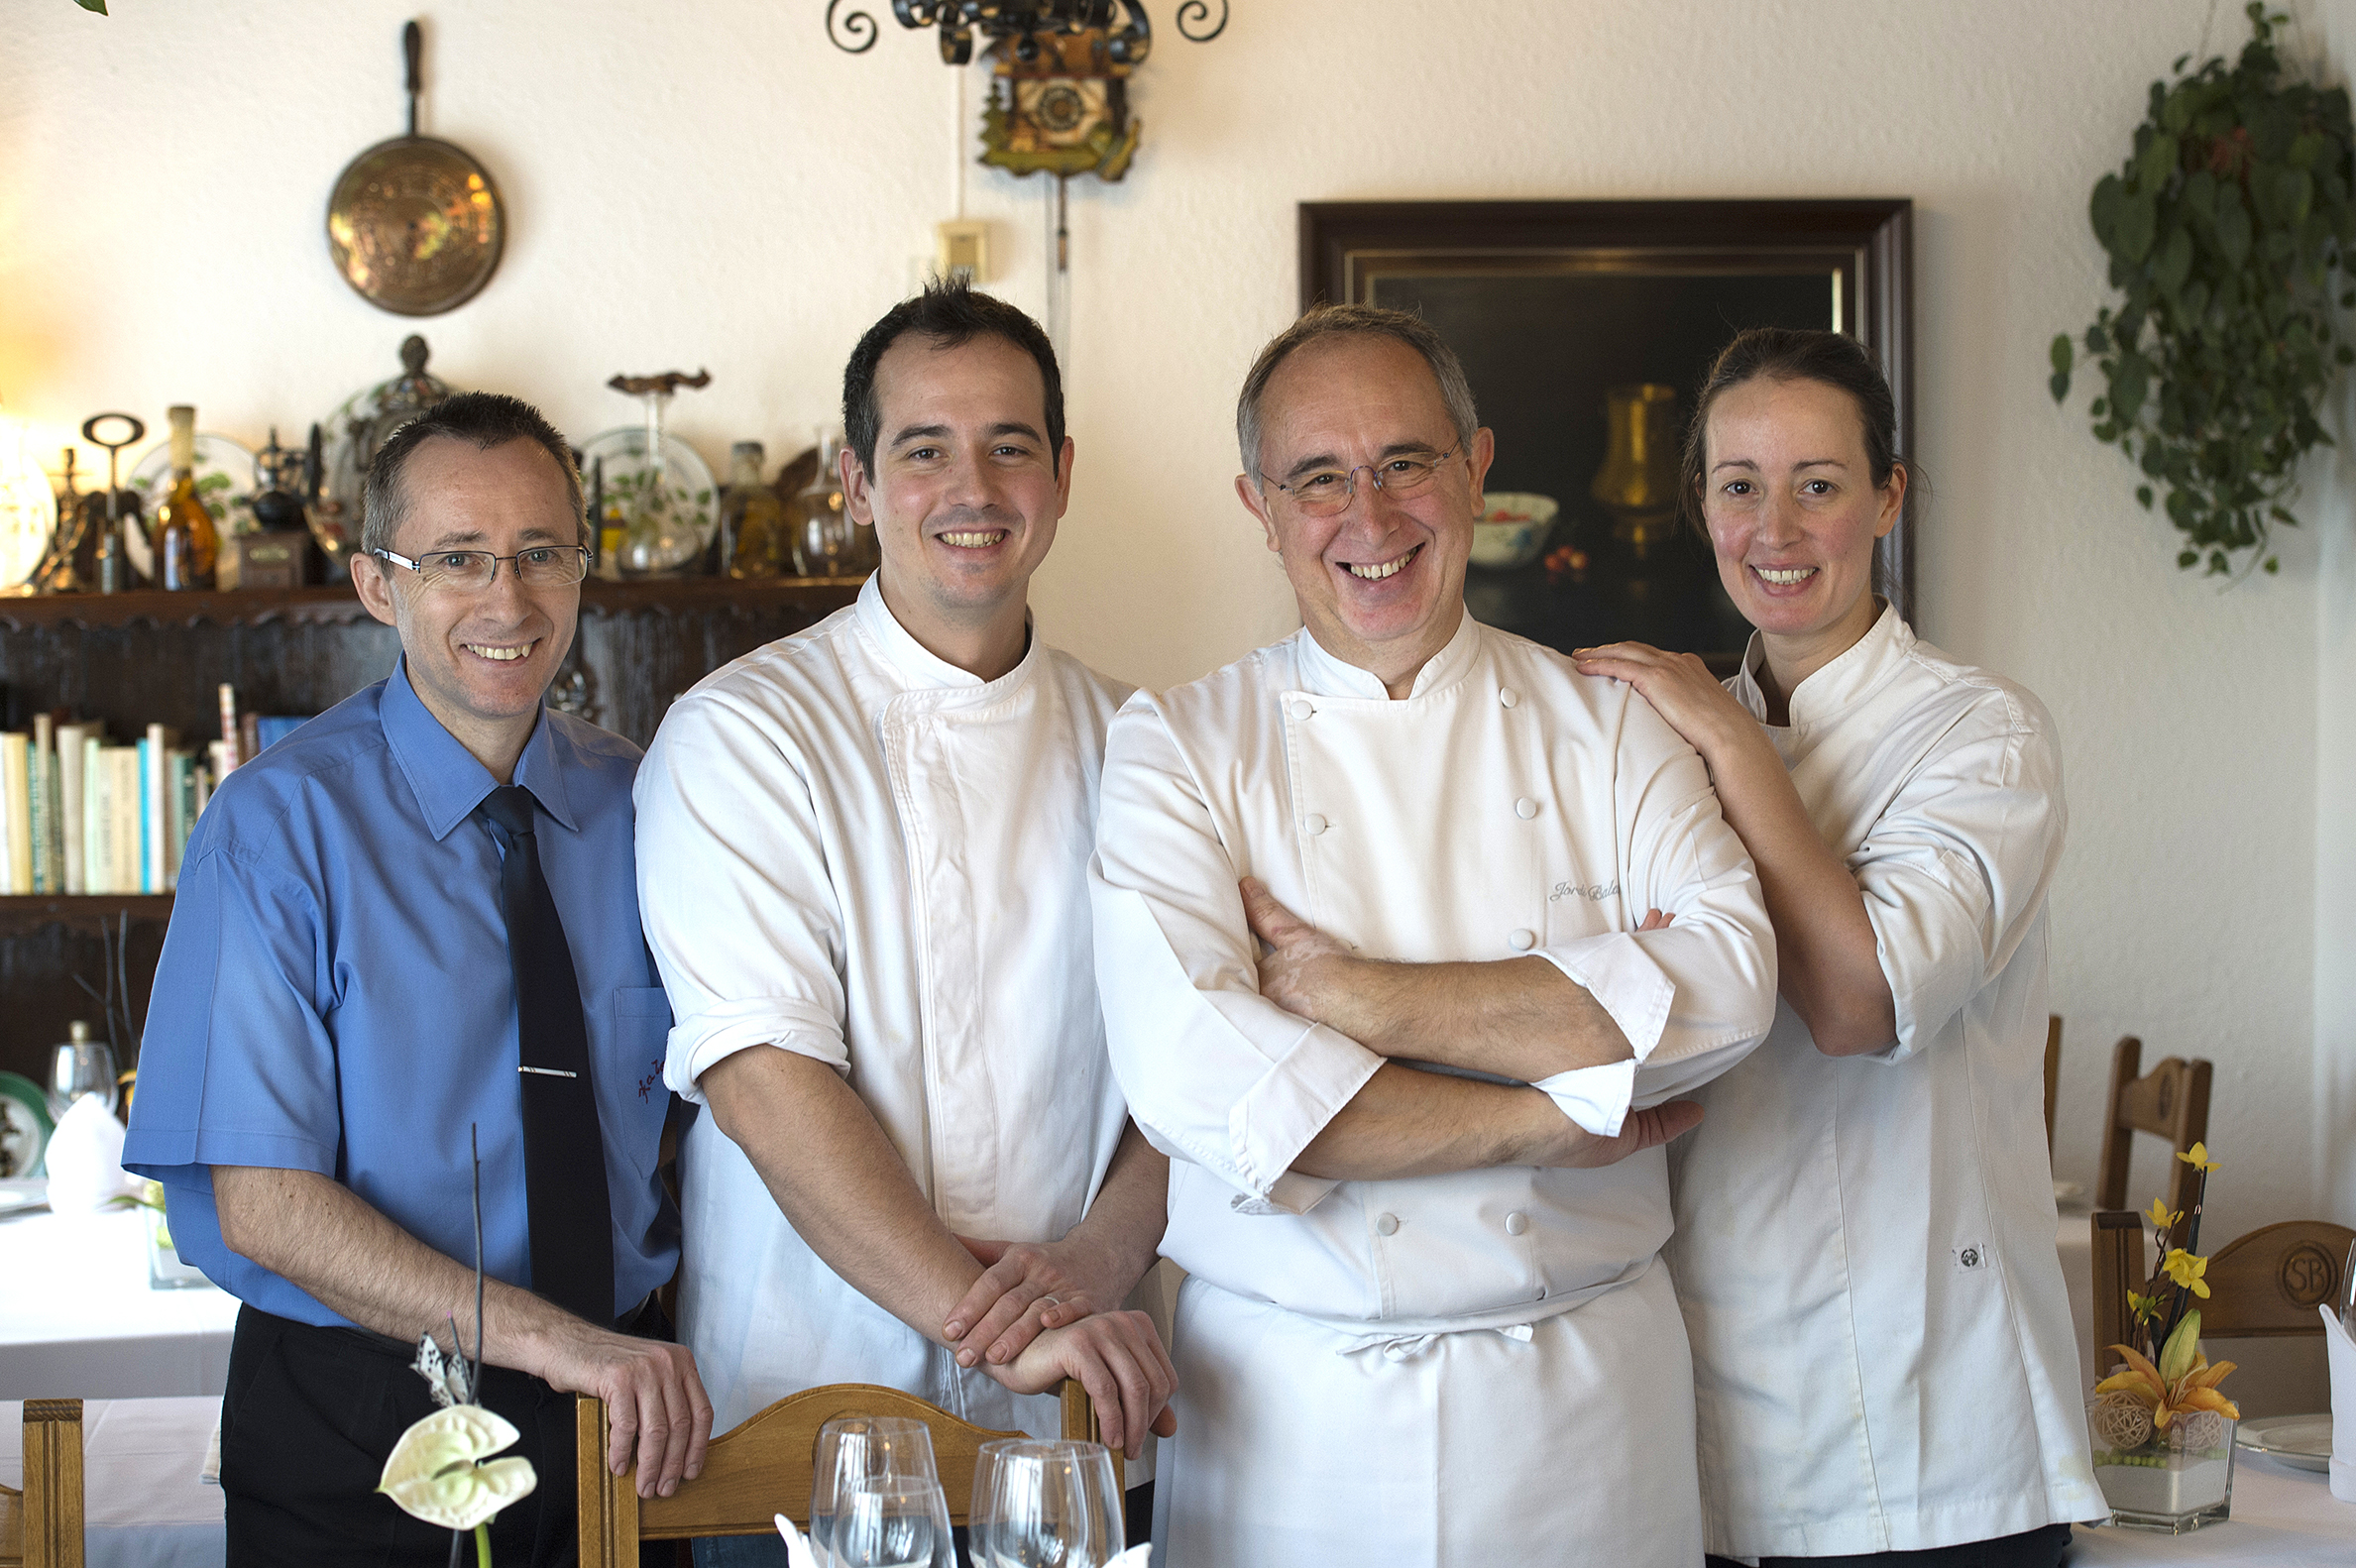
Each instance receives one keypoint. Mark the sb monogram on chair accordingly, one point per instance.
(2308, 1274)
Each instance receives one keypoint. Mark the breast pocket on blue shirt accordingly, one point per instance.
(641, 1034)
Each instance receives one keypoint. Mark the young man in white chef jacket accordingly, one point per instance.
(1425, 1321)
(862, 857)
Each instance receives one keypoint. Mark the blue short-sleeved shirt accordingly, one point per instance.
(335, 996)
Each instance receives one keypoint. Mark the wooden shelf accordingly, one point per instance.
(22, 914)
(334, 604)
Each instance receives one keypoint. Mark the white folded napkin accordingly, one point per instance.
(2340, 1351)
(85, 1159)
(1134, 1557)
(798, 1552)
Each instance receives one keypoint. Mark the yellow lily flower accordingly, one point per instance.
(2193, 1388)
(2197, 1155)
(2186, 1271)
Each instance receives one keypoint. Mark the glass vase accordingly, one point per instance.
(2170, 1481)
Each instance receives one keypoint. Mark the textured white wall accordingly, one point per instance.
(717, 185)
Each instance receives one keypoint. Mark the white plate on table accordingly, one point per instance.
(2301, 1440)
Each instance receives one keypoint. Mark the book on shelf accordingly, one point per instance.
(81, 813)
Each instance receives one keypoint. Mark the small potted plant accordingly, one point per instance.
(2163, 1433)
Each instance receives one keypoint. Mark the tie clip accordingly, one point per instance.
(550, 1073)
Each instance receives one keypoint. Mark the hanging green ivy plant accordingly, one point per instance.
(2229, 231)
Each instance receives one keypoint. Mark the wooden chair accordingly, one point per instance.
(2172, 1100)
(2264, 1284)
(765, 1467)
(2052, 1077)
(42, 1525)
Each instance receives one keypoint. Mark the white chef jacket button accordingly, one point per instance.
(1507, 696)
(1385, 1224)
(1541, 1293)
(1525, 808)
(1300, 707)
(1315, 823)
(1517, 1222)
(1522, 941)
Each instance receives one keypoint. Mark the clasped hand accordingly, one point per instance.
(1041, 1312)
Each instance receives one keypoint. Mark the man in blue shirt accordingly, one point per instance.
(337, 1007)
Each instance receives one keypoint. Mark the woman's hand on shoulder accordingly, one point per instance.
(1680, 688)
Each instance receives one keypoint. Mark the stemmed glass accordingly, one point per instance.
(1044, 1505)
(891, 1524)
(82, 1066)
(864, 1451)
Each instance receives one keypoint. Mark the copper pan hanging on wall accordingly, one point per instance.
(415, 224)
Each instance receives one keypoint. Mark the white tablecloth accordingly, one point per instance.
(145, 1503)
(2283, 1518)
(79, 1320)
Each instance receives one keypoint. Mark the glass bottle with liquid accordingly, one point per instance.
(186, 542)
(821, 531)
(752, 533)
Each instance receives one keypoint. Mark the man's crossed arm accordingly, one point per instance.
(1514, 1018)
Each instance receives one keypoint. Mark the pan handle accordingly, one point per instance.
(413, 48)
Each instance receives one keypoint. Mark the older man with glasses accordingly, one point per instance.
(1408, 934)
(406, 932)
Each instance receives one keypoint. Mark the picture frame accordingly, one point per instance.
(1557, 306)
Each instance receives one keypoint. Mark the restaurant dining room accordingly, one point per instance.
(1626, 733)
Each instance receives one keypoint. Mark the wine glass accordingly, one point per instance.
(862, 1450)
(891, 1524)
(1044, 1505)
(78, 1067)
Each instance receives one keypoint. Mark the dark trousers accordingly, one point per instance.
(307, 1421)
(2038, 1548)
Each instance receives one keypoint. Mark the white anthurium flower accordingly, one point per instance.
(436, 1475)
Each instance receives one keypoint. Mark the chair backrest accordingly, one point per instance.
(766, 1466)
(2172, 1100)
(2052, 1077)
(2270, 1282)
(2266, 1284)
(42, 1525)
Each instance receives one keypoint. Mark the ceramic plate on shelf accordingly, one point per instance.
(2301, 1440)
(657, 540)
(226, 480)
(25, 1125)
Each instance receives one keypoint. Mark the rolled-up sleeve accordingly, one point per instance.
(237, 1065)
(1214, 1073)
(1695, 996)
(733, 890)
(1955, 869)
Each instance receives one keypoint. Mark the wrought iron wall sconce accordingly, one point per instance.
(1023, 21)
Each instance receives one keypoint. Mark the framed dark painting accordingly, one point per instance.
(1586, 328)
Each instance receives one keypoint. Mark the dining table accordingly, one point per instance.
(2283, 1516)
(79, 1319)
(146, 1501)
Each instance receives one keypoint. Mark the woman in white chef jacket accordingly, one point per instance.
(1883, 1359)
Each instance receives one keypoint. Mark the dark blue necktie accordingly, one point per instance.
(563, 1153)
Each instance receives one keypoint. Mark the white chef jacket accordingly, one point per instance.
(1884, 1356)
(1507, 805)
(855, 850)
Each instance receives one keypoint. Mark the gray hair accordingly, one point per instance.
(1324, 321)
(480, 419)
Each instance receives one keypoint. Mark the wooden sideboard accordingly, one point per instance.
(139, 659)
